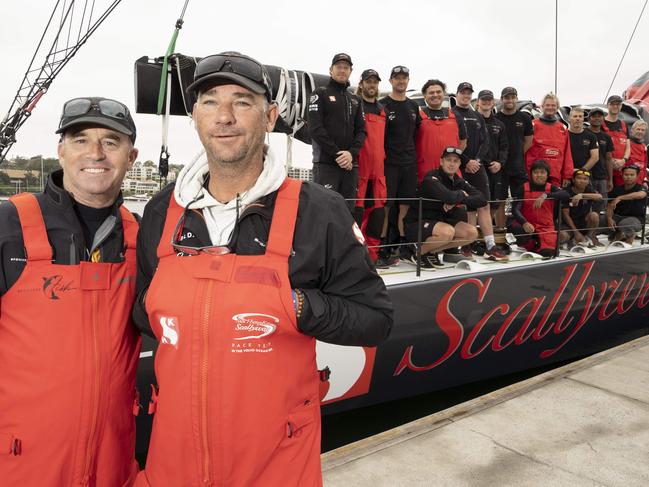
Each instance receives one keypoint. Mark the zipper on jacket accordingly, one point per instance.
(204, 330)
(94, 392)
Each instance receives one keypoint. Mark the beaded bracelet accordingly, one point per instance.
(298, 302)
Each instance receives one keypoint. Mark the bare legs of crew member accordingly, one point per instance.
(446, 236)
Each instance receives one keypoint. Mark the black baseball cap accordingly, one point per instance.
(465, 85)
(95, 110)
(341, 56)
(486, 94)
(399, 70)
(232, 67)
(614, 99)
(508, 90)
(454, 150)
(596, 110)
(368, 73)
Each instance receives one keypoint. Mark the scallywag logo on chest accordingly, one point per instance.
(251, 332)
(55, 286)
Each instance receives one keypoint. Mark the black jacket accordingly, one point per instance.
(346, 301)
(336, 122)
(477, 144)
(498, 144)
(437, 185)
(64, 231)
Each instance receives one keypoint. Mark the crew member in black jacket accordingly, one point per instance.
(337, 128)
(444, 221)
(474, 171)
(496, 156)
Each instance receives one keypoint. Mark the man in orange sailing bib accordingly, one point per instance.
(241, 270)
(68, 348)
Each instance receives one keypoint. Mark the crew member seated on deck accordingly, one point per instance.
(579, 221)
(625, 213)
(444, 220)
(534, 209)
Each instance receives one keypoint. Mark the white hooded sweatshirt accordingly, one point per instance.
(221, 217)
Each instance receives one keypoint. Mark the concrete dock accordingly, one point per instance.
(583, 424)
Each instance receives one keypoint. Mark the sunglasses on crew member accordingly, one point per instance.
(231, 63)
(109, 108)
(581, 172)
(400, 70)
(452, 150)
(189, 250)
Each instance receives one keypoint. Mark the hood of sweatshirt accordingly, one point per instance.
(221, 218)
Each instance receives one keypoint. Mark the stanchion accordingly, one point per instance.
(419, 235)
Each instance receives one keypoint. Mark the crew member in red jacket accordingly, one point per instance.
(440, 128)
(618, 130)
(68, 347)
(551, 143)
(372, 193)
(638, 153)
(534, 209)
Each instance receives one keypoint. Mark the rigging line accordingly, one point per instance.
(556, 43)
(70, 25)
(83, 18)
(625, 50)
(92, 10)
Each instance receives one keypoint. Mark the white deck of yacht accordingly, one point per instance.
(584, 424)
(405, 272)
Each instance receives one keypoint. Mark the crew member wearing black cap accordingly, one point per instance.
(602, 172)
(372, 191)
(68, 347)
(619, 132)
(496, 157)
(474, 171)
(444, 210)
(520, 132)
(535, 210)
(337, 128)
(240, 269)
(402, 123)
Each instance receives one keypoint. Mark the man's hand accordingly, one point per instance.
(611, 224)
(566, 183)
(574, 201)
(447, 207)
(596, 197)
(495, 166)
(539, 201)
(615, 202)
(344, 160)
(609, 185)
(528, 227)
(472, 166)
(579, 237)
(618, 164)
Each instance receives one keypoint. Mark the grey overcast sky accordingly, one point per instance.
(492, 43)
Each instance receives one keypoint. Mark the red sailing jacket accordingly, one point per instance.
(619, 138)
(551, 143)
(68, 354)
(370, 161)
(238, 401)
(638, 157)
(433, 136)
(542, 218)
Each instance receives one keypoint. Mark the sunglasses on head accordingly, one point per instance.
(109, 108)
(190, 250)
(453, 150)
(232, 63)
(400, 70)
(582, 172)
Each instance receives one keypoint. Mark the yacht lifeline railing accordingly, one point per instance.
(558, 221)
